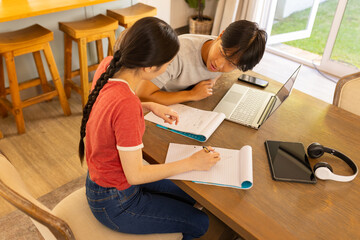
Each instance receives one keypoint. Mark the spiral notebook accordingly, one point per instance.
(193, 123)
(233, 170)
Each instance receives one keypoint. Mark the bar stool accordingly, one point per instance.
(32, 39)
(128, 16)
(82, 32)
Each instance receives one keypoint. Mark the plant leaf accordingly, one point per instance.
(194, 3)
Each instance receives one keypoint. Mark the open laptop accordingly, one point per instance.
(252, 107)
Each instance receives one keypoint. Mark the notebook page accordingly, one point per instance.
(225, 172)
(191, 119)
(212, 126)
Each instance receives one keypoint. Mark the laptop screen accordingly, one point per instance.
(284, 92)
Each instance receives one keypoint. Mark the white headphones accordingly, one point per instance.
(323, 170)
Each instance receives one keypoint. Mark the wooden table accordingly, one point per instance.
(18, 9)
(273, 209)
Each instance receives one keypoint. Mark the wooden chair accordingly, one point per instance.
(70, 219)
(83, 32)
(128, 16)
(32, 39)
(347, 93)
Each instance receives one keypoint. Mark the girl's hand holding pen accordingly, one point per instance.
(206, 149)
(204, 159)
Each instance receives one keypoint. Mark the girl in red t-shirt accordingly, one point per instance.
(124, 194)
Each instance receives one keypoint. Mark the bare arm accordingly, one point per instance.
(137, 173)
(147, 91)
(170, 116)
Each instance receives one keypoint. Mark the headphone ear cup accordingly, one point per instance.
(323, 170)
(322, 164)
(315, 150)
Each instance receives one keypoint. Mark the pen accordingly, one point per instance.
(206, 149)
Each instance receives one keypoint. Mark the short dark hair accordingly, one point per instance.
(244, 44)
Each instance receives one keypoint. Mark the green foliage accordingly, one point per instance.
(347, 45)
(195, 3)
(199, 5)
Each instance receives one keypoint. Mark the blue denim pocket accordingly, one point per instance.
(102, 216)
(109, 203)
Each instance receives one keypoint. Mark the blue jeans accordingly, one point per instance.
(158, 207)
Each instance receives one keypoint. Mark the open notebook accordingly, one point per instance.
(233, 170)
(193, 123)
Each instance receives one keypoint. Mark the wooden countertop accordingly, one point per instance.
(18, 9)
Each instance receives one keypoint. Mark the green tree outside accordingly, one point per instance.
(347, 45)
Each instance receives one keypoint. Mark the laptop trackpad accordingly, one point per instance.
(228, 103)
(233, 97)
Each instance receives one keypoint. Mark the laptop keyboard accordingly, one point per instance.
(247, 109)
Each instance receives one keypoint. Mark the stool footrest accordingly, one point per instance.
(40, 98)
(6, 103)
(30, 83)
(90, 68)
(30, 101)
(74, 86)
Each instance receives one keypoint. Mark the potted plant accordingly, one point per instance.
(199, 23)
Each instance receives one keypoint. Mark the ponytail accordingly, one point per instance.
(114, 66)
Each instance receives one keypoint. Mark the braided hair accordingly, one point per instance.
(245, 42)
(149, 42)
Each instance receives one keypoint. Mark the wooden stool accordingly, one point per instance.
(32, 39)
(82, 32)
(128, 16)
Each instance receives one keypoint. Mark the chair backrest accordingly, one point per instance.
(13, 189)
(347, 93)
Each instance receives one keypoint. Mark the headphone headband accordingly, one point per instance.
(323, 170)
(343, 157)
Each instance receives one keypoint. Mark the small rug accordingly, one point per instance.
(17, 225)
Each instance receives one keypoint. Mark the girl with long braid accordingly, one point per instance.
(124, 194)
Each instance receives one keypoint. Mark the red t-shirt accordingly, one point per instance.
(116, 122)
(101, 69)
